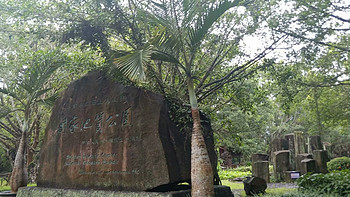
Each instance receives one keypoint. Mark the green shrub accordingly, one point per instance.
(242, 169)
(336, 182)
(239, 172)
(229, 175)
(339, 163)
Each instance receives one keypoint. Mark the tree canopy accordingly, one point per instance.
(258, 69)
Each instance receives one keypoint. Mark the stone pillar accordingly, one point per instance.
(301, 157)
(260, 166)
(321, 158)
(299, 143)
(307, 165)
(278, 144)
(259, 157)
(315, 143)
(261, 169)
(291, 147)
(280, 160)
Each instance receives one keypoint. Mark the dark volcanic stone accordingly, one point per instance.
(307, 165)
(254, 185)
(301, 157)
(278, 144)
(280, 160)
(315, 143)
(260, 157)
(261, 169)
(321, 158)
(104, 135)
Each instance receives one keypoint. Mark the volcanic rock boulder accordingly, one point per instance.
(254, 186)
(103, 135)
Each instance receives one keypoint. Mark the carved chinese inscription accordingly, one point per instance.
(99, 121)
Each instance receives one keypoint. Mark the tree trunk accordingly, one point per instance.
(19, 176)
(30, 150)
(202, 179)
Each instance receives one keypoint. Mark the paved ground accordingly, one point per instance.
(237, 192)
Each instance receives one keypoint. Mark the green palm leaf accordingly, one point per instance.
(205, 22)
(50, 101)
(4, 111)
(133, 65)
(41, 92)
(162, 56)
(43, 65)
(9, 93)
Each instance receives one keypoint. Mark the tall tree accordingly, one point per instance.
(184, 49)
(31, 83)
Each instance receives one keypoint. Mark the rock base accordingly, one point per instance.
(220, 191)
(7, 193)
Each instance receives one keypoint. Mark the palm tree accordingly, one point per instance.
(27, 91)
(177, 40)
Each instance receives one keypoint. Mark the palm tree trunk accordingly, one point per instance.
(19, 176)
(202, 179)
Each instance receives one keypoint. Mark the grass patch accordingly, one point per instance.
(277, 192)
(269, 192)
(233, 185)
(281, 190)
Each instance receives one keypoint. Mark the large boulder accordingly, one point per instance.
(104, 135)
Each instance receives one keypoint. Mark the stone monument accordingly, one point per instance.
(106, 136)
(260, 166)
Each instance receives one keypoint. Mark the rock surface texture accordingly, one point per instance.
(103, 135)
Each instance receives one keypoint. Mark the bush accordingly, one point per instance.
(340, 163)
(336, 182)
(229, 175)
(233, 173)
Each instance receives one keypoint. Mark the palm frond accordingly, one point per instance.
(41, 92)
(205, 22)
(156, 20)
(133, 65)
(190, 9)
(4, 111)
(42, 65)
(9, 93)
(162, 56)
(165, 40)
(49, 102)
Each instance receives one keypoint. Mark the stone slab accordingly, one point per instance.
(307, 165)
(278, 144)
(280, 160)
(220, 191)
(260, 157)
(301, 157)
(315, 143)
(299, 143)
(321, 158)
(291, 147)
(261, 169)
